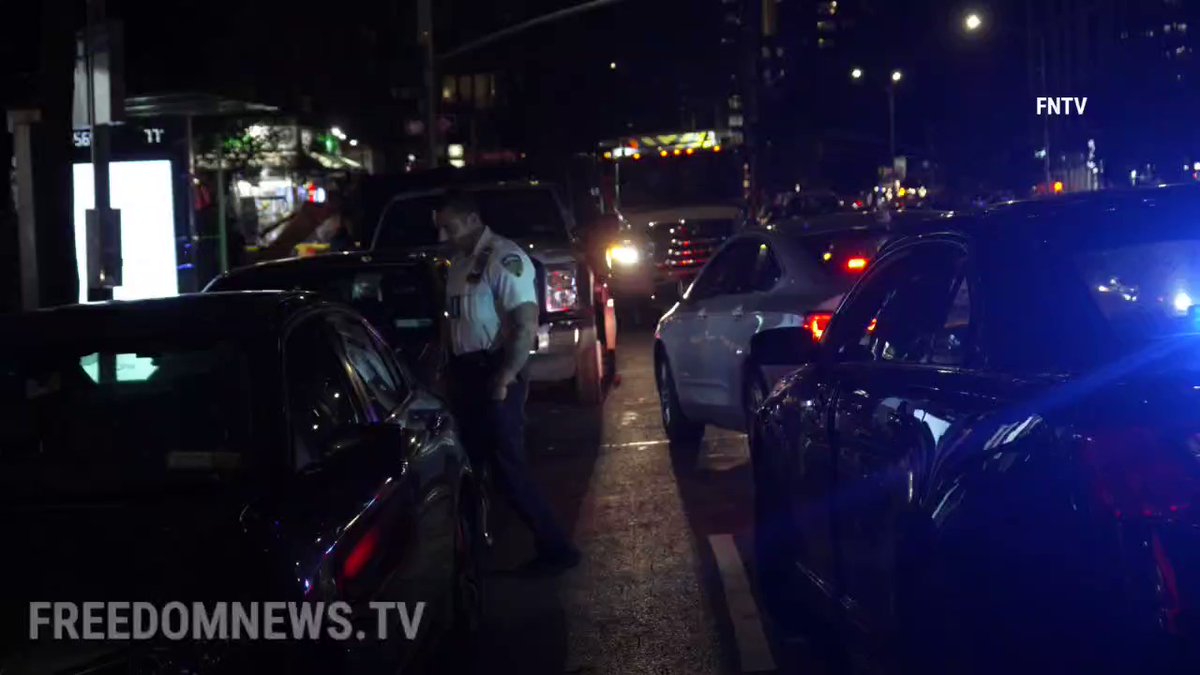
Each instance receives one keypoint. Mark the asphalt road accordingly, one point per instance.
(666, 583)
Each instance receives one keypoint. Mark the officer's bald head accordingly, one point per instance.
(459, 219)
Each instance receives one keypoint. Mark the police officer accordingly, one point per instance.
(493, 316)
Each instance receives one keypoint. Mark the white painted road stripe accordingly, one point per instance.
(753, 648)
(634, 444)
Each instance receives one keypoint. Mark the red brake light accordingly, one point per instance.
(1138, 472)
(360, 555)
(562, 293)
(856, 264)
(816, 323)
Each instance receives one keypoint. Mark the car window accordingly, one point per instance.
(766, 269)
(730, 271)
(384, 388)
(949, 346)
(320, 397)
(914, 310)
(402, 301)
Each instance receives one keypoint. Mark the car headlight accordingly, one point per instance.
(562, 291)
(624, 254)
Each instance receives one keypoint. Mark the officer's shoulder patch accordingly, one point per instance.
(513, 263)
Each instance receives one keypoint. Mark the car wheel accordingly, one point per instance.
(684, 434)
(610, 366)
(467, 599)
(589, 375)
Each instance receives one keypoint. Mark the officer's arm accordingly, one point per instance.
(521, 334)
(512, 282)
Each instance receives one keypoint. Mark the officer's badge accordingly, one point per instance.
(512, 263)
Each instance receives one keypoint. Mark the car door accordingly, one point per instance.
(430, 503)
(734, 318)
(352, 464)
(684, 332)
(709, 387)
(903, 346)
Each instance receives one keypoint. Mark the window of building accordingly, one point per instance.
(485, 90)
(449, 89)
(466, 87)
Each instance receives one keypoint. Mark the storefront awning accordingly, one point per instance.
(191, 104)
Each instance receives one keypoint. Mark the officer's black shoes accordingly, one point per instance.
(550, 563)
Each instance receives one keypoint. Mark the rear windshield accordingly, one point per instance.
(98, 416)
(531, 213)
(841, 257)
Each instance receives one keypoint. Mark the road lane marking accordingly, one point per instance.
(634, 444)
(754, 651)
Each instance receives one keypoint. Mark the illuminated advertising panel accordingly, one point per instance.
(142, 190)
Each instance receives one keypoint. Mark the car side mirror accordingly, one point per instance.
(790, 346)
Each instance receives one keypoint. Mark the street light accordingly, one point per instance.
(897, 75)
(612, 65)
(972, 23)
(856, 73)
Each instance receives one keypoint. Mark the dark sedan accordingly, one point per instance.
(992, 462)
(229, 447)
(399, 292)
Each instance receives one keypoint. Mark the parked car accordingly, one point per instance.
(399, 292)
(225, 447)
(577, 332)
(791, 275)
(990, 464)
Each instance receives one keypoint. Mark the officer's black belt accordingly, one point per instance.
(478, 359)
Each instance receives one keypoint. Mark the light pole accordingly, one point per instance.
(973, 23)
(891, 92)
(857, 74)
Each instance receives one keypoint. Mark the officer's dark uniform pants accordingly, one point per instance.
(493, 433)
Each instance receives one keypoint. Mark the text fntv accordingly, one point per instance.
(1061, 105)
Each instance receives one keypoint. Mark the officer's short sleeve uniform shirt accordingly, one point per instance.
(482, 287)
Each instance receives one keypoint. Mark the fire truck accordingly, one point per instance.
(677, 197)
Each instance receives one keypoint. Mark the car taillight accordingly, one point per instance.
(816, 323)
(1138, 473)
(856, 264)
(562, 292)
(360, 555)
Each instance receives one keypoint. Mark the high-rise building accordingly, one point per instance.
(1135, 61)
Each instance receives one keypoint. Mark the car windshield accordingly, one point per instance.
(110, 413)
(655, 182)
(516, 213)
